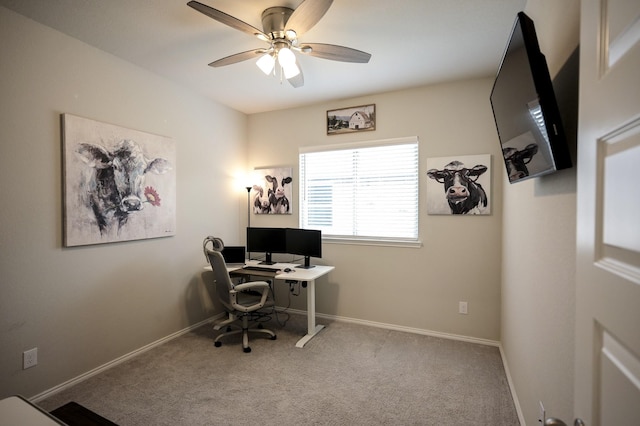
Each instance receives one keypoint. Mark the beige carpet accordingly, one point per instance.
(348, 375)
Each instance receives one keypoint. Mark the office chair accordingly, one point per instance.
(239, 300)
(218, 245)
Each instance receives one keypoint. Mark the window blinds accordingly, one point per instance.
(362, 190)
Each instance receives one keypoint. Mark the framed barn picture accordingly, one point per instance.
(272, 193)
(352, 119)
(459, 185)
(119, 183)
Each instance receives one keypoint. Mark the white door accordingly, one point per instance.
(607, 384)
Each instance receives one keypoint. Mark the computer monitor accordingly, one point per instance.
(233, 254)
(266, 240)
(304, 242)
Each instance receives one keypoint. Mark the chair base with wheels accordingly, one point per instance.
(245, 330)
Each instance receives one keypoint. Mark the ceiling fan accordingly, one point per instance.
(281, 28)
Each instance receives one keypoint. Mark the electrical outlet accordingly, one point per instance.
(462, 308)
(542, 416)
(30, 358)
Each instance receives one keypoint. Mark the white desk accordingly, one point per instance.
(297, 274)
(15, 410)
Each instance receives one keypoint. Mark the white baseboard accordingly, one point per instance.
(402, 328)
(512, 388)
(120, 360)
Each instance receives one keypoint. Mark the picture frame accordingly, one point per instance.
(459, 185)
(352, 119)
(119, 184)
(272, 192)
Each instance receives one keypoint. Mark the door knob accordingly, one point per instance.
(552, 421)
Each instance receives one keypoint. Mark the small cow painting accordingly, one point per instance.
(273, 194)
(119, 183)
(459, 185)
(527, 156)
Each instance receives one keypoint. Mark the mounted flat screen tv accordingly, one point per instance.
(525, 109)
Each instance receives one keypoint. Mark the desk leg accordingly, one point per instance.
(312, 328)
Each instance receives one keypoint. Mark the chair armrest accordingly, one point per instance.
(251, 285)
(259, 286)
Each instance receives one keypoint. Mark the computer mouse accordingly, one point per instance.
(288, 269)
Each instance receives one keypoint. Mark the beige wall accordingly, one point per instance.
(83, 307)
(538, 272)
(460, 257)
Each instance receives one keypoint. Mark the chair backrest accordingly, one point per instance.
(216, 244)
(223, 281)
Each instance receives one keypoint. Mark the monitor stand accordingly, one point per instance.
(267, 260)
(307, 265)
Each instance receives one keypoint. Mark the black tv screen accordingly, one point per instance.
(525, 109)
(266, 240)
(304, 242)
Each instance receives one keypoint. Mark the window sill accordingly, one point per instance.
(372, 242)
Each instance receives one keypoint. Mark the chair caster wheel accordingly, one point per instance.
(246, 350)
(217, 344)
(274, 337)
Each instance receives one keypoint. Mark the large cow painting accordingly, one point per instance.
(459, 185)
(119, 184)
(272, 194)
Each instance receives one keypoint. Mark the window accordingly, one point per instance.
(365, 191)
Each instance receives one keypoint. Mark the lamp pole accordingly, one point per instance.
(248, 207)
(248, 213)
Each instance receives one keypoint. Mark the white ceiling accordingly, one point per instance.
(412, 43)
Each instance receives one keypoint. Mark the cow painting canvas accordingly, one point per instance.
(119, 183)
(272, 193)
(459, 185)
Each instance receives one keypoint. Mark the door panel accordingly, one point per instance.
(620, 372)
(607, 384)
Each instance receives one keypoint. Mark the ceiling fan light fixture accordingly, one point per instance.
(287, 60)
(286, 57)
(291, 70)
(266, 63)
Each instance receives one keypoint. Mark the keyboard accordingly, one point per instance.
(260, 268)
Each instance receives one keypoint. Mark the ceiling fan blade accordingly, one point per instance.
(228, 20)
(238, 57)
(307, 15)
(298, 80)
(336, 53)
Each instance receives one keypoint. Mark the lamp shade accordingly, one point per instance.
(266, 63)
(286, 57)
(291, 70)
(287, 61)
